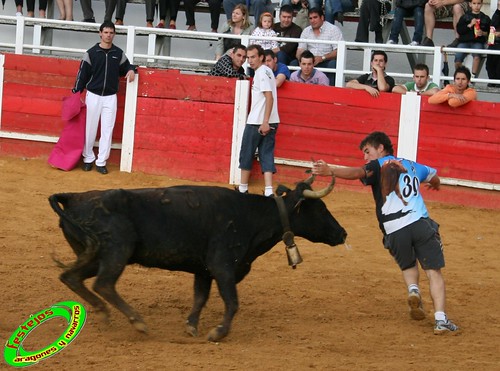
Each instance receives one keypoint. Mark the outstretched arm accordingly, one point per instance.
(322, 168)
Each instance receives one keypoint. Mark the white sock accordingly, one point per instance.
(268, 191)
(440, 316)
(243, 188)
(413, 287)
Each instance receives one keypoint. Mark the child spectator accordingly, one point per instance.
(493, 61)
(265, 28)
(406, 8)
(473, 28)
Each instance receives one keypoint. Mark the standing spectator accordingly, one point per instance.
(65, 9)
(377, 80)
(264, 28)
(257, 7)
(406, 8)
(280, 70)
(230, 65)
(409, 234)
(307, 73)
(420, 84)
(173, 7)
(19, 8)
(370, 18)
(438, 9)
(456, 94)
(42, 8)
(286, 28)
(88, 13)
(262, 123)
(214, 7)
(99, 73)
(493, 61)
(473, 28)
(122, 5)
(325, 55)
(239, 24)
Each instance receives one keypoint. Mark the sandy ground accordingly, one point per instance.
(341, 309)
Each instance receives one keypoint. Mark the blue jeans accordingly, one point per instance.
(459, 57)
(332, 7)
(251, 141)
(312, 3)
(397, 23)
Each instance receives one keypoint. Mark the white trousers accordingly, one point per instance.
(103, 108)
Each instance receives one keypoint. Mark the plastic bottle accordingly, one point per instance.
(491, 36)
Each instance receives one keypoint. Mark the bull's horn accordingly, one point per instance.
(321, 193)
(310, 180)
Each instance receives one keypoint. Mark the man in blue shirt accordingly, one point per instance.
(409, 233)
(280, 70)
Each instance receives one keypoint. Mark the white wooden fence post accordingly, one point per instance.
(129, 116)
(409, 122)
(241, 100)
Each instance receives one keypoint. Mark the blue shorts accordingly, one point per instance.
(459, 57)
(252, 141)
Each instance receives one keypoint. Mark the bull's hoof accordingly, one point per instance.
(191, 330)
(217, 334)
(140, 326)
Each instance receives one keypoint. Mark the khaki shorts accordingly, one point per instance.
(447, 11)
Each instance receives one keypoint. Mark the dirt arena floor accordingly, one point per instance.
(341, 309)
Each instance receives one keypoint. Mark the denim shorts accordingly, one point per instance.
(253, 140)
(459, 57)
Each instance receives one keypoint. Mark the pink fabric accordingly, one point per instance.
(68, 149)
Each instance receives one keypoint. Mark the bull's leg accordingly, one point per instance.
(74, 277)
(227, 289)
(202, 285)
(104, 285)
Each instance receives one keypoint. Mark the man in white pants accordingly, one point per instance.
(99, 73)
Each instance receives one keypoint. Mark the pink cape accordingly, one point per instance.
(68, 149)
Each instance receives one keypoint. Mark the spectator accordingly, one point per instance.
(230, 65)
(280, 70)
(307, 73)
(438, 9)
(237, 25)
(493, 61)
(409, 234)
(262, 123)
(99, 73)
(456, 94)
(325, 55)
(420, 84)
(88, 13)
(406, 8)
(377, 80)
(370, 13)
(214, 8)
(264, 28)
(334, 9)
(42, 8)
(256, 7)
(65, 9)
(286, 28)
(173, 7)
(473, 28)
(122, 5)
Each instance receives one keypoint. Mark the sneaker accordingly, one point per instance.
(415, 303)
(427, 42)
(391, 42)
(453, 44)
(237, 189)
(19, 14)
(414, 43)
(87, 166)
(101, 169)
(444, 327)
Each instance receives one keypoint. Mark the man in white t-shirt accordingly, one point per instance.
(262, 122)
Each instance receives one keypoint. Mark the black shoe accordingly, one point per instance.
(453, 44)
(491, 85)
(427, 42)
(89, 20)
(87, 166)
(101, 169)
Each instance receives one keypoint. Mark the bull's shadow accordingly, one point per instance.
(213, 232)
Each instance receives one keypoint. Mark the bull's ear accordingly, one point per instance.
(281, 190)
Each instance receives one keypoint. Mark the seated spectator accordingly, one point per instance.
(325, 55)
(334, 10)
(370, 13)
(256, 7)
(473, 28)
(301, 9)
(231, 65)
(286, 28)
(239, 24)
(420, 84)
(456, 94)
(264, 28)
(121, 6)
(65, 9)
(438, 9)
(377, 80)
(280, 70)
(407, 8)
(214, 8)
(493, 61)
(307, 73)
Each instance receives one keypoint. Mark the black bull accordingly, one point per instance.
(214, 233)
